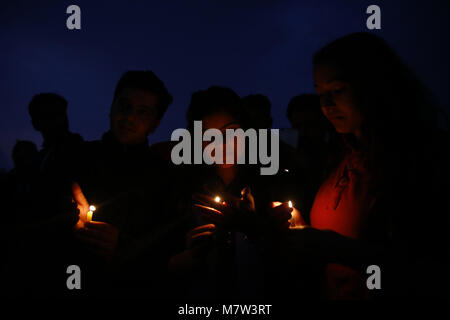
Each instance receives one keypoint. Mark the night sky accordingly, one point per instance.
(251, 46)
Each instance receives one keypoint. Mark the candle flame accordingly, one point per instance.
(90, 213)
(217, 199)
(290, 204)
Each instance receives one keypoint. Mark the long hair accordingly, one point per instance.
(399, 114)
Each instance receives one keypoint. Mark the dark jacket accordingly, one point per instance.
(130, 187)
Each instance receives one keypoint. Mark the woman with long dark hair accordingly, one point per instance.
(384, 186)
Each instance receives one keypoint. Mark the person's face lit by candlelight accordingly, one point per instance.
(338, 99)
(223, 121)
(134, 115)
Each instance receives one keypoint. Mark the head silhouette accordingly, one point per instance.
(218, 108)
(48, 113)
(257, 107)
(140, 101)
(304, 114)
(24, 154)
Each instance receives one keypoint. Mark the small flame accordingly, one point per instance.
(90, 213)
(217, 199)
(290, 204)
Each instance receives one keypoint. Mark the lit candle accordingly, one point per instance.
(90, 213)
(293, 214)
(296, 220)
(292, 220)
(219, 200)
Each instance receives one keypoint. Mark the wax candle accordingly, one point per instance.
(218, 199)
(90, 213)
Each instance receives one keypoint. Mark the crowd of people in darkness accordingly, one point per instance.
(366, 183)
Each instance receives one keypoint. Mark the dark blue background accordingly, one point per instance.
(252, 46)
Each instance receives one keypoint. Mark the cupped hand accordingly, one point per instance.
(227, 210)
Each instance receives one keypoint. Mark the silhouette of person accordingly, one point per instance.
(129, 186)
(257, 110)
(46, 212)
(59, 153)
(305, 115)
(257, 107)
(392, 151)
(21, 180)
(226, 263)
(48, 113)
(17, 193)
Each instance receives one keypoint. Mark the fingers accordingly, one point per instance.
(81, 201)
(281, 215)
(248, 201)
(78, 195)
(204, 228)
(297, 218)
(282, 212)
(209, 213)
(203, 234)
(246, 192)
(206, 209)
(200, 236)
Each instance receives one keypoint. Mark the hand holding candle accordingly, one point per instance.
(90, 213)
(99, 237)
(235, 213)
(287, 215)
(86, 211)
(210, 208)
